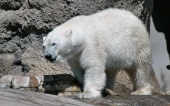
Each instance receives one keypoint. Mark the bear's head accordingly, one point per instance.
(57, 45)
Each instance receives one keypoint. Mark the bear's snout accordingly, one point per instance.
(48, 56)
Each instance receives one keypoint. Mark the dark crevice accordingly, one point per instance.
(25, 69)
(29, 4)
(18, 63)
(9, 5)
(68, 2)
(5, 40)
(15, 29)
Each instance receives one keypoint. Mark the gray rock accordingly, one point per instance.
(4, 85)
(13, 97)
(129, 101)
(25, 82)
(7, 79)
(27, 98)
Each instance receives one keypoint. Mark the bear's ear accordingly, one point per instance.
(68, 33)
(44, 38)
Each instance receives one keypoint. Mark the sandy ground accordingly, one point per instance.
(160, 58)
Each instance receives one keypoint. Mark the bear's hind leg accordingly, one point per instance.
(140, 79)
(141, 72)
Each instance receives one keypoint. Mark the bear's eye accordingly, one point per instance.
(53, 44)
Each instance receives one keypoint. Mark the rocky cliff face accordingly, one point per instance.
(23, 23)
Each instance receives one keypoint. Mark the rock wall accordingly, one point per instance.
(23, 23)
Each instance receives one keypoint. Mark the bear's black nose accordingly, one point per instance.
(48, 56)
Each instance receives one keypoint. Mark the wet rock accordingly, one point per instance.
(59, 84)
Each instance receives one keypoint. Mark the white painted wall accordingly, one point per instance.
(160, 57)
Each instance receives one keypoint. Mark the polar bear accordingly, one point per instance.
(98, 45)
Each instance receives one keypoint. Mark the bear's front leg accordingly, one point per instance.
(94, 82)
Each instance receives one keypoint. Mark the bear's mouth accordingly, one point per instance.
(49, 58)
(52, 60)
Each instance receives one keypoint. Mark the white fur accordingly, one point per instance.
(44, 39)
(98, 45)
